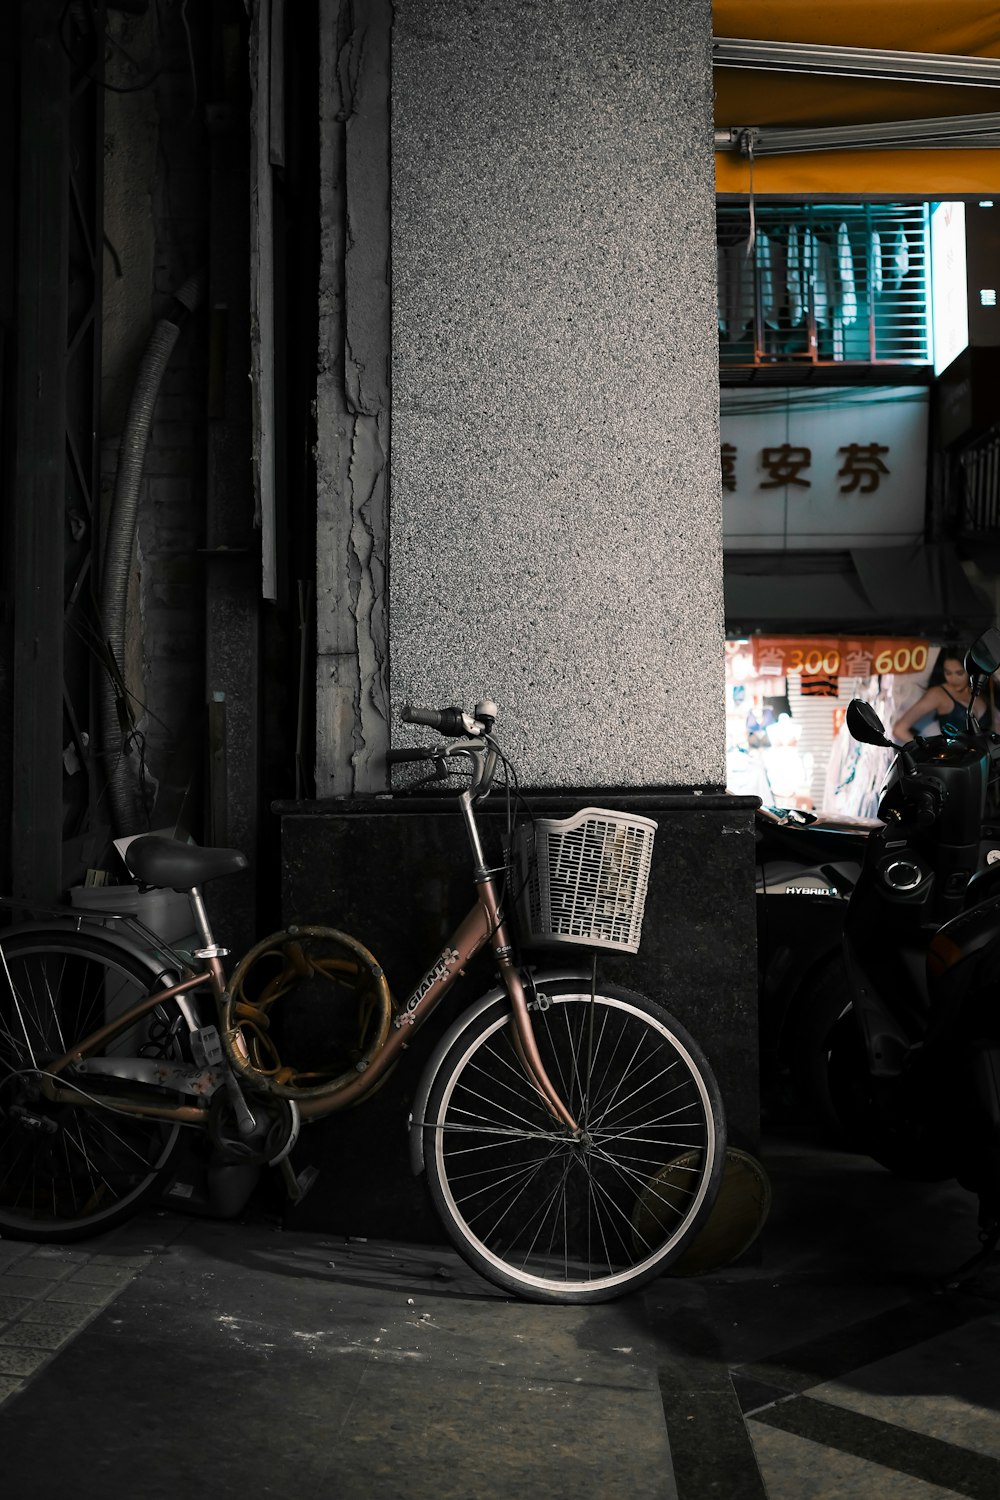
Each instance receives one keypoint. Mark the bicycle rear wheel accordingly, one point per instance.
(557, 1218)
(69, 1171)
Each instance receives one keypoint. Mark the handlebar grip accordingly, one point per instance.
(445, 720)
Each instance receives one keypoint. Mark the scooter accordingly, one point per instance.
(807, 865)
(909, 1053)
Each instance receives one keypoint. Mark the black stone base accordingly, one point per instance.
(395, 872)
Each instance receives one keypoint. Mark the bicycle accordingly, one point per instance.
(571, 1133)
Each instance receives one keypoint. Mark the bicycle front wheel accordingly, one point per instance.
(69, 1170)
(554, 1216)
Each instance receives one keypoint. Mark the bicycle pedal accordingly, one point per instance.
(297, 1185)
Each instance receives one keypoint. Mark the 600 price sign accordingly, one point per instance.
(835, 656)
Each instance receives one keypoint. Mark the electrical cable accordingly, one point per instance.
(111, 41)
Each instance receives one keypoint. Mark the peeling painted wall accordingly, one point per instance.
(352, 401)
(556, 537)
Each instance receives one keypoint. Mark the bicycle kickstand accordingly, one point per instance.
(990, 1239)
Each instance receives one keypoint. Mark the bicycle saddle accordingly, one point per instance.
(160, 861)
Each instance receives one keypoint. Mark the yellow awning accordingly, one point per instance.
(747, 97)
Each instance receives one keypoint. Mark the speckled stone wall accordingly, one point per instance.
(556, 536)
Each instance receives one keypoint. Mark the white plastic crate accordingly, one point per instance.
(583, 879)
(165, 912)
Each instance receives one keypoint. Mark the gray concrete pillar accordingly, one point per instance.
(555, 532)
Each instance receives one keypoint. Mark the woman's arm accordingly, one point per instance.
(927, 703)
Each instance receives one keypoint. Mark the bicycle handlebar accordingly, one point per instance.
(446, 720)
(454, 721)
(416, 752)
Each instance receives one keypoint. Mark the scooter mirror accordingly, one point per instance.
(865, 725)
(984, 654)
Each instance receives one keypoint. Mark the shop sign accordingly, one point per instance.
(818, 657)
(824, 467)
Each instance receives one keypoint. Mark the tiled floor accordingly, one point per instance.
(238, 1358)
(47, 1297)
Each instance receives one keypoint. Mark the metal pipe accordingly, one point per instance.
(128, 813)
(950, 131)
(855, 62)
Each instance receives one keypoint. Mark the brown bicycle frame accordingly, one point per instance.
(482, 924)
(185, 1114)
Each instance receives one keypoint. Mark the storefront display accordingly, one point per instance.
(786, 699)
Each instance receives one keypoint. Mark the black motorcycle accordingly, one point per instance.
(905, 1042)
(807, 866)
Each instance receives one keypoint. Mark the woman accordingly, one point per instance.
(945, 703)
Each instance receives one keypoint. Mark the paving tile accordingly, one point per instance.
(945, 1387)
(8, 1385)
(10, 1254)
(103, 1275)
(60, 1255)
(922, 1456)
(38, 1335)
(44, 1270)
(83, 1295)
(30, 1287)
(57, 1314)
(13, 1307)
(21, 1361)
(795, 1468)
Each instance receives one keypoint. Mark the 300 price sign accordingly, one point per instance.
(833, 656)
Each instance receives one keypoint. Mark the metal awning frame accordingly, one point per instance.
(949, 131)
(856, 62)
(979, 131)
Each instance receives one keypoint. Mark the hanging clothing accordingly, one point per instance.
(771, 269)
(720, 285)
(793, 278)
(875, 262)
(845, 271)
(822, 279)
(899, 263)
(736, 289)
(809, 276)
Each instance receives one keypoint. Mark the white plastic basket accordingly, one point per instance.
(167, 913)
(583, 879)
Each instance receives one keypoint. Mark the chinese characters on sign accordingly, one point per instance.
(837, 656)
(861, 470)
(785, 465)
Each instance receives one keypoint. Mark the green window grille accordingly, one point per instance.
(823, 285)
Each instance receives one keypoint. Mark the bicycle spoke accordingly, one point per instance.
(516, 1194)
(68, 1168)
(575, 1216)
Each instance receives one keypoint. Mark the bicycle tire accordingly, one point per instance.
(822, 1005)
(857, 1112)
(67, 1172)
(545, 1216)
